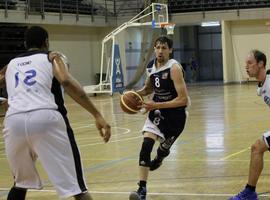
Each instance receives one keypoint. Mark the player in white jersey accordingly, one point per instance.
(36, 123)
(167, 116)
(255, 67)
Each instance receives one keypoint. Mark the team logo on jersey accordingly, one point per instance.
(164, 75)
(267, 100)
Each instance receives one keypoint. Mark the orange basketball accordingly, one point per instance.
(130, 102)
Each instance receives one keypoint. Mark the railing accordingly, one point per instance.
(176, 6)
(93, 8)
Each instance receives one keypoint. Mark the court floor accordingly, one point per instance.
(209, 161)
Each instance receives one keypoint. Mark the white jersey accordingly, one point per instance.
(264, 90)
(29, 81)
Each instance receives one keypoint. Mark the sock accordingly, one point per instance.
(142, 183)
(17, 194)
(252, 188)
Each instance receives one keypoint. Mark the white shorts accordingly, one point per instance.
(46, 135)
(266, 138)
(152, 128)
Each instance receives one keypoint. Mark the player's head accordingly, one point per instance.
(164, 40)
(259, 56)
(255, 61)
(36, 37)
(163, 48)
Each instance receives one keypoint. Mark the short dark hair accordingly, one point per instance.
(259, 56)
(35, 37)
(164, 39)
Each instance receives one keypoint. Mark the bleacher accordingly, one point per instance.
(68, 6)
(126, 8)
(61, 6)
(176, 6)
(12, 42)
(8, 4)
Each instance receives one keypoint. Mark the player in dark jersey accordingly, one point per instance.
(255, 67)
(167, 116)
(40, 127)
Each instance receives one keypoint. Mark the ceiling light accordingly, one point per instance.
(213, 23)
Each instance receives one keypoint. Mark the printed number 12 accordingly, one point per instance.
(28, 80)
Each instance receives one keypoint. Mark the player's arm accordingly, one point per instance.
(2, 76)
(146, 89)
(76, 92)
(180, 87)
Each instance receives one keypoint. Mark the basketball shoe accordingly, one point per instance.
(245, 194)
(140, 194)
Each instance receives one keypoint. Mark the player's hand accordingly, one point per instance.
(104, 128)
(148, 106)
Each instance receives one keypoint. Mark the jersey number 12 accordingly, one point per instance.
(28, 79)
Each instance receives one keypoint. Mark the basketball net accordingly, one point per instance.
(169, 27)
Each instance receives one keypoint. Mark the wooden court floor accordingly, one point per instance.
(209, 161)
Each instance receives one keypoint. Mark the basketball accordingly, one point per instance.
(130, 102)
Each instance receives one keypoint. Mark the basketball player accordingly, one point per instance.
(255, 67)
(36, 123)
(167, 116)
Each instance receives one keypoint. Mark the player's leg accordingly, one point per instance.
(162, 152)
(174, 129)
(256, 161)
(54, 142)
(255, 168)
(20, 157)
(144, 163)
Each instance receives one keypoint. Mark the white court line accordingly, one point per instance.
(126, 131)
(151, 193)
(97, 143)
(80, 127)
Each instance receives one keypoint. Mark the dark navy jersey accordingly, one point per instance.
(162, 83)
(170, 121)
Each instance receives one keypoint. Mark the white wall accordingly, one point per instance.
(82, 46)
(239, 37)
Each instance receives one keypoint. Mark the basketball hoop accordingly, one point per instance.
(169, 27)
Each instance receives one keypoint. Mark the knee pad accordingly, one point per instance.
(145, 154)
(17, 194)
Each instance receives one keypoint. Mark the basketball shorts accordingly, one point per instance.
(165, 123)
(266, 138)
(45, 135)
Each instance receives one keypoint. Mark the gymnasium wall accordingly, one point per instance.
(238, 38)
(82, 46)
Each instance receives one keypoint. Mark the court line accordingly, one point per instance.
(113, 141)
(150, 193)
(235, 154)
(126, 131)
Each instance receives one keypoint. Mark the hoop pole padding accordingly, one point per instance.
(102, 62)
(112, 65)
